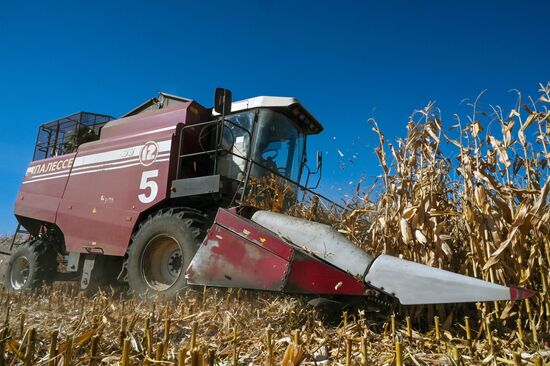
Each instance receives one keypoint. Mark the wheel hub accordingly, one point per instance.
(161, 262)
(19, 274)
(175, 263)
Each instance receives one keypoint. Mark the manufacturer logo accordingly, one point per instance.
(52, 166)
(149, 153)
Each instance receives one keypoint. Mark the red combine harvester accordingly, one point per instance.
(150, 199)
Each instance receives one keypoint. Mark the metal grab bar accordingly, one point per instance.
(220, 123)
(248, 160)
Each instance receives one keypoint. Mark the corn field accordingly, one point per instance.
(483, 213)
(470, 196)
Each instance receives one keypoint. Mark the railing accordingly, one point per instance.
(219, 126)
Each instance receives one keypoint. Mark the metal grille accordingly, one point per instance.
(64, 135)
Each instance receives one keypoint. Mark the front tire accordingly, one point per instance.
(31, 265)
(161, 251)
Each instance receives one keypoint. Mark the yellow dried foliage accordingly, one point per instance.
(472, 198)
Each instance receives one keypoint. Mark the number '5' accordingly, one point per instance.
(148, 182)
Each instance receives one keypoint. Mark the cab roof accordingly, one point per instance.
(313, 126)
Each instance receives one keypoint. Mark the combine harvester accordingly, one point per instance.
(150, 199)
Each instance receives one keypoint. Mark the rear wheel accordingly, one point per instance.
(161, 251)
(31, 265)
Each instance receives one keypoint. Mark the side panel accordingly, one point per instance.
(310, 275)
(226, 259)
(43, 187)
(110, 184)
(240, 253)
(255, 233)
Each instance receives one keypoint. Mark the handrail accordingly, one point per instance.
(219, 138)
(249, 161)
(301, 187)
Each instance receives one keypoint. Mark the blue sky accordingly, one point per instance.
(346, 61)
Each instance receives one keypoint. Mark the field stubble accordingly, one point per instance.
(233, 327)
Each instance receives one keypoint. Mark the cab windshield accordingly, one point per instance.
(279, 145)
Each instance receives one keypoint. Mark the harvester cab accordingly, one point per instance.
(248, 142)
(174, 194)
